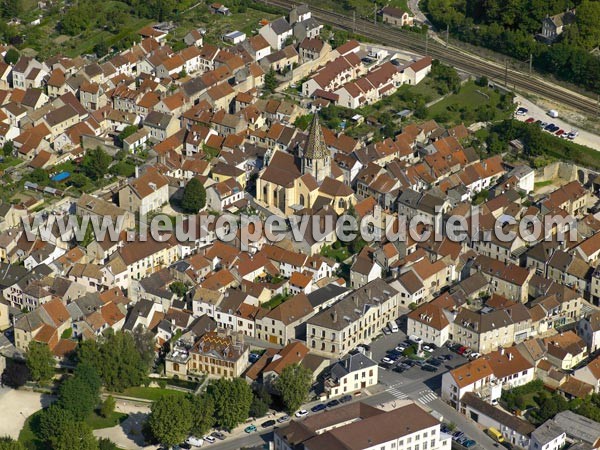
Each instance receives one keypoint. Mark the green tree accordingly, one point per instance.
(8, 148)
(232, 400)
(11, 8)
(128, 131)
(116, 359)
(106, 444)
(294, 384)
(78, 180)
(260, 402)
(52, 419)
(108, 406)
(40, 362)
(8, 443)
(143, 339)
(16, 374)
(12, 56)
(270, 81)
(194, 197)
(179, 288)
(101, 48)
(171, 419)
(78, 397)
(74, 435)
(204, 414)
(95, 163)
(38, 175)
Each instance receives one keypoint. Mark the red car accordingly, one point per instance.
(560, 132)
(530, 120)
(462, 349)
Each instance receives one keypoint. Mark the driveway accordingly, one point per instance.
(16, 406)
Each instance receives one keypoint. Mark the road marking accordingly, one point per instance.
(427, 396)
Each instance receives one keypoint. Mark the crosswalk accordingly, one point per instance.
(424, 396)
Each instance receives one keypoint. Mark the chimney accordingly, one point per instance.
(137, 171)
(510, 356)
(334, 316)
(502, 350)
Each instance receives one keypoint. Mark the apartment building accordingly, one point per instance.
(355, 319)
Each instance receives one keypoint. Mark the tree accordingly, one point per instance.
(8, 148)
(179, 288)
(117, 360)
(40, 362)
(108, 406)
(95, 163)
(128, 131)
(171, 419)
(101, 48)
(78, 397)
(204, 414)
(232, 400)
(53, 419)
(74, 435)
(260, 402)
(294, 384)
(143, 339)
(107, 444)
(8, 443)
(16, 374)
(38, 175)
(194, 197)
(270, 81)
(12, 56)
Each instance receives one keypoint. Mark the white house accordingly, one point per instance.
(351, 374)
(276, 33)
(548, 436)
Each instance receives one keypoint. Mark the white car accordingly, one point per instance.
(210, 439)
(427, 348)
(302, 413)
(474, 355)
(194, 441)
(415, 339)
(387, 360)
(400, 348)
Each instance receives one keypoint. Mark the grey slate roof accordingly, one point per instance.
(325, 294)
(351, 363)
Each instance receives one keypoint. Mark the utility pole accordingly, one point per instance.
(426, 43)
(598, 107)
(354, 21)
(447, 34)
(530, 63)
(375, 14)
(505, 72)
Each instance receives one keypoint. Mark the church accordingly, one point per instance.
(308, 180)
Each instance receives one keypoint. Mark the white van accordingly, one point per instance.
(194, 441)
(393, 326)
(553, 113)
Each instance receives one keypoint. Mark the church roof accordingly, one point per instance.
(315, 148)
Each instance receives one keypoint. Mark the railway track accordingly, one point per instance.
(449, 55)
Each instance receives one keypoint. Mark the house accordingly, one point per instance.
(285, 322)
(548, 436)
(218, 8)
(224, 195)
(234, 37)
(432, 321)
(353, 373)
(578, 428)
(353, 320)
(590, 374)
(514, 430)
(396, 16)
(476, 377)
(160, 125)
(360, 427)
(589, 330)
(276, 33)
(313, 49)
(554, 26)
(194, 37)
(565, 350)
(88, 205)
(146, 193)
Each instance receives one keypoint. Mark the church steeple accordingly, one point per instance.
(316, 159)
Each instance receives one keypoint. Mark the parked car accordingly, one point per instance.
(333, 403)
(427, 348)
(268, 423)
(559, 133)
(400, 348)
(522, 111)
(448, 357)
(319, 407)
(435, 362)
(302, 413)
(429, 368)
(398, 369)
(387, 360)
(283, 419)
(345, 398)
(193, 440)
(469, 443)
(530, 120)
(210, 439)
(548, 126)
(474, 355)
(457, 435)
(461, 350)
(415, 339)
(219, 435)
(253, 357)
(250, 429)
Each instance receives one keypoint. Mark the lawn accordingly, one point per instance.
(339, 254)
(541, 184)
(362, 7)
(148, 393)
(97, 422)
(472, 104)
(275, 301)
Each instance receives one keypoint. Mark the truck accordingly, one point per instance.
(553, 113)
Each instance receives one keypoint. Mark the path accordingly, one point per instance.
(16, 406)
(128, 434)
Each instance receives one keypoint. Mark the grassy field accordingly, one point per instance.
(97, 422)
(467, 106)
(362, 7)
(148, 393)
(28, 436)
